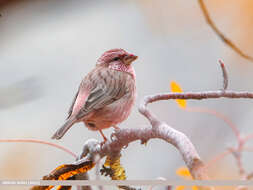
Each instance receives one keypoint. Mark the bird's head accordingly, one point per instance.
(117, 59)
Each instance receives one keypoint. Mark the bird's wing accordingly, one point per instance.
(72, 105)
(106, 89)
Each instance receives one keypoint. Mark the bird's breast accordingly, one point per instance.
(112, 114)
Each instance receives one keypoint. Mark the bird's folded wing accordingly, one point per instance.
(72, 105)
(102, 95)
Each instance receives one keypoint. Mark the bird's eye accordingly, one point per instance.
(116, 59)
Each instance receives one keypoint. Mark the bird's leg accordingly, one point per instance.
(115, 127)
(105, 139)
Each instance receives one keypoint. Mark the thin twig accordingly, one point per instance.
(237, 154)
(40, 142)
(248, 149)
(224, 74)
(218, 158)
(248, 137)
(220, 34)
(218, 115)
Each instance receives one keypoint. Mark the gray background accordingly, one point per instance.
(51, 45)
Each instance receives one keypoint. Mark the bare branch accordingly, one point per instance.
(247, 138)
(40, 142)
(179, 140)
(218, 158)
(160, 130)
(224, 74)
(218, 115)
(200, 95)
(122, 137)
(220, 34)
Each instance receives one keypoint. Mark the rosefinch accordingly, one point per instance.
(106, 95)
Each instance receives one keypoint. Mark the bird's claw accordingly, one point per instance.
(116, 127)
(103, 142)
(125, 146)
(106, 171)
(113, 136)
(144, 141)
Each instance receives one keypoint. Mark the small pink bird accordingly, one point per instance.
(105, 96)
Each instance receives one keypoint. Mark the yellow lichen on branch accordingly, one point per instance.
(113, 167)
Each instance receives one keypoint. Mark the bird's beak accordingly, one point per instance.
(128, 59)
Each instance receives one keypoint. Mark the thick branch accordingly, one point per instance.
(174, 137)
(123, 137)
(160, 130)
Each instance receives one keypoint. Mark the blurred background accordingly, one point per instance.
(48, 46)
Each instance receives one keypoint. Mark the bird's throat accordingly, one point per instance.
(122, 67)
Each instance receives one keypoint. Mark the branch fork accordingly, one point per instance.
(161, 130)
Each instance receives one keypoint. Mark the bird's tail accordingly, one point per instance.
(61, 131)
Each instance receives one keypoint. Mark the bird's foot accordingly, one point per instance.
(116, 127)
(103, 142)
(113, 136)
(105, 139)
(106, 171)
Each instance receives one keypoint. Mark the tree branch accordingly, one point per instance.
(224, 74)
(160, 130)
(227, 41)
(39, 142)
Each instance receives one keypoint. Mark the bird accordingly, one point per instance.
(105, 96)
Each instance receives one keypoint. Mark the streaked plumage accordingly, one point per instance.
(106, 95)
